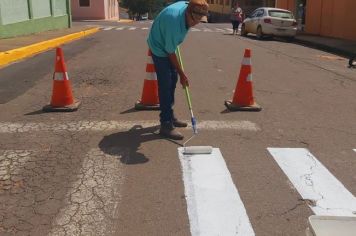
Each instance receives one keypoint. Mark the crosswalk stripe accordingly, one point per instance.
(326, 194)
(132, 28)
(108, 28)
(207, 30)
(90, 206)
(8, 127)
(195, 29)
(145, 28)
(121, 28)
(355, 150)
(213, 202)
(219, 30)
(228, 29)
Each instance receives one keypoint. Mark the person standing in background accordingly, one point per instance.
(236, 18)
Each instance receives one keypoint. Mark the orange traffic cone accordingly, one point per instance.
(149, 99)
(243, 97)
(62, 97)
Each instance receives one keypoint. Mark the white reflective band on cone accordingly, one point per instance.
(151, 76)
(249, 77)
(60, 76)
(246, 61)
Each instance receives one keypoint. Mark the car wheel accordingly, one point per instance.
(243, 30)
(352, 64)
(290, 39)
(259, 33)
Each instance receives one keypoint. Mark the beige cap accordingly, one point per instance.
(198, 10)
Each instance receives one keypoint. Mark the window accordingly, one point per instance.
(281, 14)
(84, 3)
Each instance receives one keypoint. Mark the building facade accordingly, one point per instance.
(21, 17)
(330, 18)
(220, 9)
(95, 9)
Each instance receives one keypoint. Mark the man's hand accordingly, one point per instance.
(183, 80)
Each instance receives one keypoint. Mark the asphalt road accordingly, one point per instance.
(97, 172)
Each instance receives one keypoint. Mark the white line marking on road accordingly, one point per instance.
(207, 30)
(108, 28)
(213, 202)
(195, 29)
(355, 150)
(229, 30)
(121, 28)
(219, 30)
(11, 163)
(327, 195)
(91, 205)
(145, 28)
(8, 127)
(132, 28)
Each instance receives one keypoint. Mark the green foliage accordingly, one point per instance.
(139, 7)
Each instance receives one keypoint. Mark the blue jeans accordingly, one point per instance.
(167, 79)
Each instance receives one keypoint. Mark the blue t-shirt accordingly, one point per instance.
(168, 30)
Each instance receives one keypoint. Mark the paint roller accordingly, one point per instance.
(191, 150)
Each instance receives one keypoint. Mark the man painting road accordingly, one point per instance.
(168, 31)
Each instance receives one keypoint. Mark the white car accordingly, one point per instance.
(270, 21)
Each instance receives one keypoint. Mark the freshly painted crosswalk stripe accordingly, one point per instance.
(8, 127)
(326, 194)
(108, 28)
(195, 30)
(213, 202)
(91, 205)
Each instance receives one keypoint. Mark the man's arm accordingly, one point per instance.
(183, 78)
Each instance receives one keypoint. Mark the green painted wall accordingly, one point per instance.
(21, 17)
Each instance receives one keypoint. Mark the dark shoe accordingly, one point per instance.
(178, 123)
(168, 131)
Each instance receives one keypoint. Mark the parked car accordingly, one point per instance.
(270, 21)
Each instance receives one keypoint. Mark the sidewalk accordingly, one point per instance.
(341, 47)
(21, 41)
(18, 48)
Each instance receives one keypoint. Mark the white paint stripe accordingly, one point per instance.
(195, 29)
(214, 204)
(246, 61)
(108, 28)
(145, 28)
(132, 28)
(219, 30)
(207, 30)
(355, 150)
(91, 203)
(228, 29)
(314, 182)
(121, 28)
(8, 127)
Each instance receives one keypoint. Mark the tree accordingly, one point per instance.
(139, 7)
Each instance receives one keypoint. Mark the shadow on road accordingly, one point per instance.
(126, 144)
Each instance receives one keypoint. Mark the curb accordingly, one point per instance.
(324, 47)
(13, 55)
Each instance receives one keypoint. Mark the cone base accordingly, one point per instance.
(69, 108)
(235, 107)
(140, 106)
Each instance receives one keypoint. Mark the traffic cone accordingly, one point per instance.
(243, 97)
(62, 97)
(149, 99)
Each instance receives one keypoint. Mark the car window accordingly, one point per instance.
(260, 13)
(281, 14)
(253, 14)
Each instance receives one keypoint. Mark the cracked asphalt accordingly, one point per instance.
(103, 170)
